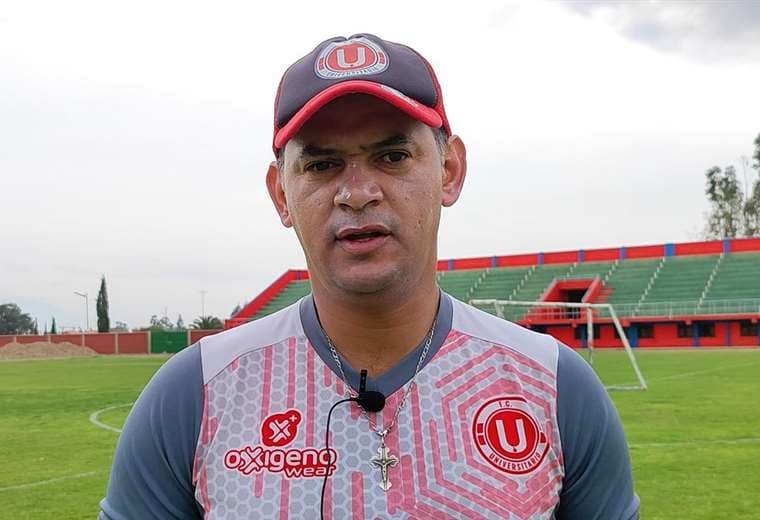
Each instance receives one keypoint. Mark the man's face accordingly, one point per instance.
(363, 184)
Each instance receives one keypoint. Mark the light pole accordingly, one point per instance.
(203, 302)
(86, 308)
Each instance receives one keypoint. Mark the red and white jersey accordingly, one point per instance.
(478, 437)
(501, 423)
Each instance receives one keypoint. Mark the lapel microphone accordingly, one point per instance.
(369, 400)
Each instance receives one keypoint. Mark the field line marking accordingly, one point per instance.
(745, 440)
(94, 417)
(699, 372)
(50, 481)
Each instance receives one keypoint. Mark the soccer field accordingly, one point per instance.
(694, 435)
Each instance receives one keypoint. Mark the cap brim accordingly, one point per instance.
(404, 103)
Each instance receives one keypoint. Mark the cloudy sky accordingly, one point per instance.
(134, 136)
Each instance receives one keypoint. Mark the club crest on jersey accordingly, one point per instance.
(354, 57)
(508, 436)
(278, 430)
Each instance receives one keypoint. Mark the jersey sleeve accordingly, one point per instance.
(151, 475)
(598, 484)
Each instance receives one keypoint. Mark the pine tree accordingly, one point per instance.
(104, 323)
(52, 327)
(180, 323)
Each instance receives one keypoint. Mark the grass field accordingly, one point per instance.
(694, 435)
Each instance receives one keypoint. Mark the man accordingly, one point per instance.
(482, 419)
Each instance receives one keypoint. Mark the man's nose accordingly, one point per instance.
(358, 188)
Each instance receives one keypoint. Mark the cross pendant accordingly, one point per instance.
(382, 461)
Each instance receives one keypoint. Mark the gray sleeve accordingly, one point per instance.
(151, 476)
(598, 484)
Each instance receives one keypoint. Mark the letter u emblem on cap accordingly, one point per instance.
(356, 57)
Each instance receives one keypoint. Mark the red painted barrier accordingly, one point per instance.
(713, 247)
(516, 260)
(133, 342)
(4, 340)
(561, 257)
(75, 339)
(473, 263)
(102, 343)
(601, 255)
(31, 339)
(645, 252)
(738, 245)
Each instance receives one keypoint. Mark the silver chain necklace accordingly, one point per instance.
(384, 459)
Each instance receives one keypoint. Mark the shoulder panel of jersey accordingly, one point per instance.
(541, 348)
(221, 349)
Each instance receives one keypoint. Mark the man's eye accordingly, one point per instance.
(394, 157)
(320, 166)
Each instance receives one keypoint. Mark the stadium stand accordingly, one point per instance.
(459, 284)
(737, 276)
(291, 293)
(630, 279)
(536, 284)
(590, 270)
(681, 279)
(688, 284)
(500, 283)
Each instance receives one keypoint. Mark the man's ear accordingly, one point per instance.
(277, 193)
(454, 170)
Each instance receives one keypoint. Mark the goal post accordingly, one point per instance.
(522, 311)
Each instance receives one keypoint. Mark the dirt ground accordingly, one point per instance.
(41, 350)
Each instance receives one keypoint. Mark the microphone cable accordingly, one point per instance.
(370, 401)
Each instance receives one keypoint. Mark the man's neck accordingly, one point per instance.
(376, 333)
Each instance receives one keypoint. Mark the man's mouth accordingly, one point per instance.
(362, 234)
(362, 240)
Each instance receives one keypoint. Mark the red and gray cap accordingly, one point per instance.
(360, 64)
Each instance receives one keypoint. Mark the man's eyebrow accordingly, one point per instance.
(312, 150)
(393, 140)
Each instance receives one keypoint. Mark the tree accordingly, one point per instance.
(36, 328)
(207, 322)
(752, 210)
(732, 215)
(52, 327)
(237, 309)
(726, 216)
(180, 323)
(120, 326)
(752, 204)
(104, 322)
(14, 321)
(163, 323)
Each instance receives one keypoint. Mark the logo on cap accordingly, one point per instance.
(354, 57)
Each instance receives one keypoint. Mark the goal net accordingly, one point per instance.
(586, 315)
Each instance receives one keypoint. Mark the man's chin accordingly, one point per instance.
(368, 283)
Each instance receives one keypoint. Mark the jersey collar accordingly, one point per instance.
(398, 375)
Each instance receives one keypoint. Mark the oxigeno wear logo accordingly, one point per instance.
(280, 429)
(508, 436)
(277, 431)
(355, 57)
